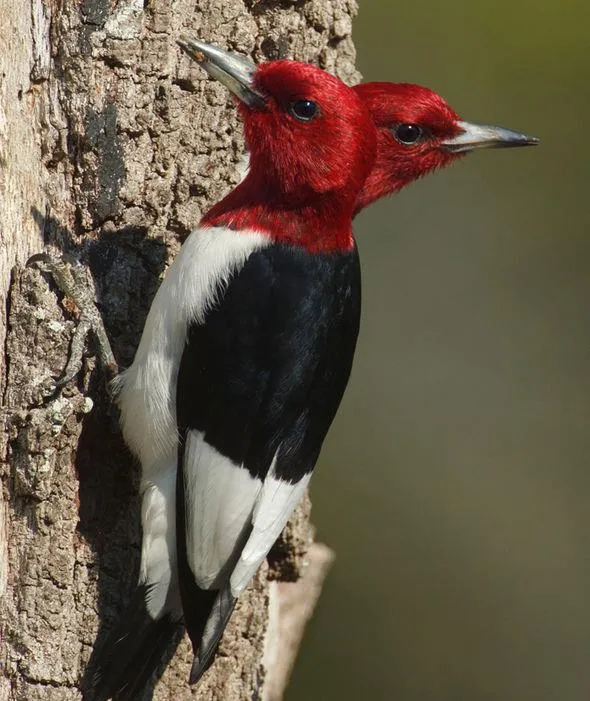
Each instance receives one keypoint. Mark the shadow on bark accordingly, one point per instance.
(125, 267)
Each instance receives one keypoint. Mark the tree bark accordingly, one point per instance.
(112, 145)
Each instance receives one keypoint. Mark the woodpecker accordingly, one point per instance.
(227, 387)
(243, 361)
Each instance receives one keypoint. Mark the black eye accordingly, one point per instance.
(407, 133)
(303, 110)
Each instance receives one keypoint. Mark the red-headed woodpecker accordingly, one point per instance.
(243, 361)
(249, 342)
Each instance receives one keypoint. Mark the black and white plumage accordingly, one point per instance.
(258, 386)
(245, 355)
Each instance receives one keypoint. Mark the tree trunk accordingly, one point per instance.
(112, 145)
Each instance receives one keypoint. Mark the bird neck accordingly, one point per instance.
(376, 187)
(318, 222)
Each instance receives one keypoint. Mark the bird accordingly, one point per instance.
(243, 361)
(417, 132)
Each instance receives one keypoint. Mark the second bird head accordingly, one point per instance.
(418, 132)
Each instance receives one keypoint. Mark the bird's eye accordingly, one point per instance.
(303, 110)
(407, 133)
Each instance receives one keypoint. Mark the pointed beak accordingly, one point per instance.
(474, 136)
(233, 71)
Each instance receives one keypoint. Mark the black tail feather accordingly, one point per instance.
(221, 611)
(123, 665)
(206, 614)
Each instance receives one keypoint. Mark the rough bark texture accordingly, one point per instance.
(111, 146)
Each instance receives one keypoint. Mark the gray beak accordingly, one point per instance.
(474, 136)
(233, 71)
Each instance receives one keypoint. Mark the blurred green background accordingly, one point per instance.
(455, 484)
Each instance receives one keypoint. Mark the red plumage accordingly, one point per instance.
(397, 164)
(303, 176)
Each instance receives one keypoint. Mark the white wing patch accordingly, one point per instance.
(220, 497)
(277, 502)
(223, 503)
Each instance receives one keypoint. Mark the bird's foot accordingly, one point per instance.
(72, 279)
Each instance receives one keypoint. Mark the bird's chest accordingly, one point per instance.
(273, 354)
(198, 278)
(241, 318)
(282, 314)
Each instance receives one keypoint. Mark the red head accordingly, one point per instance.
(312, 144)
(417, 132)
